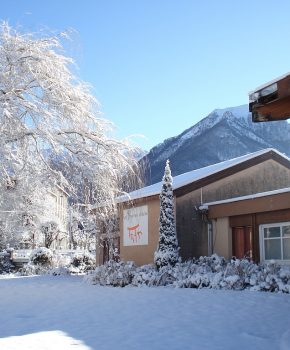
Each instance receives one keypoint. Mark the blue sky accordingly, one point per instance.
(159, 66)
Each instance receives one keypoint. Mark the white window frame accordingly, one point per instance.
(262, 241)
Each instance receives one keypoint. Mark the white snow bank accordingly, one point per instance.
(44, 341)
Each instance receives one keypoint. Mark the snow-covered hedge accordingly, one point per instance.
(82, 262)
(39, 262)
(41, 256)
(6, 265)
(117, 274)
(44, 261)
(205, 272)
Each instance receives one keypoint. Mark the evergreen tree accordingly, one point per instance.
(167, 253)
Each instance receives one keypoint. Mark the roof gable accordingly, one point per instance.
(194, 179)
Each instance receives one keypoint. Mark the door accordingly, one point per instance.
(243, 242)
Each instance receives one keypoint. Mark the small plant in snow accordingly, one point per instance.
(167, 252)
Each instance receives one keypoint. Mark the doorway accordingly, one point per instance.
(243, 242)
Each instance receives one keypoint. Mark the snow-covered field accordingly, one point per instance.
(48, 312)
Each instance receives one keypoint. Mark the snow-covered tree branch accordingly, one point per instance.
(50, 124)
(46, 110)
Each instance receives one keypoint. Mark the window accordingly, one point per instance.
(275, 241)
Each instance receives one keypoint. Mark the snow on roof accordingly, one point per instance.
(269, 83)
(194, 175)
(243, 198)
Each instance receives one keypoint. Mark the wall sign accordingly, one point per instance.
(135, 226)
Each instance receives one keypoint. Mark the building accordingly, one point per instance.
(200, 230)
(255, 226)
(271, 101)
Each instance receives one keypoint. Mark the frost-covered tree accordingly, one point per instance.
(167, 252)
(46, 110)
(83, 229)
(47, 113)
(22, 208)
(51, 232)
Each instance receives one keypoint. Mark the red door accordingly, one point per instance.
(243, 242)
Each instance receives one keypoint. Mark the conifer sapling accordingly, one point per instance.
(167, 252)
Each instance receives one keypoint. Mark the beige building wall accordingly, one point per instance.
(222, 237)
(142, 254)
(262, 177)
(266, 176)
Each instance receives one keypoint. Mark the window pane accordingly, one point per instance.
(272, 232)
(286, 231)
(272, 249)
(286, 249)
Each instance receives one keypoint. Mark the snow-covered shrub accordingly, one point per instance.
(213, 263)
(112, 273)
(206, 272)
(40, 261)
(144, 275)
(150, 276)
(6, 265)
(32, 269)
(43, 261)
(270, 277)
(83, 262)
(61, 260)
(167, 252)
(42, 256)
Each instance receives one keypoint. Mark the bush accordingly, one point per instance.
(112, 273)
(206, 272)
(6, 265)
(43, 261)
(83, 262)
(42, 256)
(31, 269)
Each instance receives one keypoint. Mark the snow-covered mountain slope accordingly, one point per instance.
(223, 134)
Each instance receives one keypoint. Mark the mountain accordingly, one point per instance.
(138, 153)
(223, 134)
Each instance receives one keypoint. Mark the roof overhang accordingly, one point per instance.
(255, 203)
(271, 101)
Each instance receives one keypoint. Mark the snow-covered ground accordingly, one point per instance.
(67, 313)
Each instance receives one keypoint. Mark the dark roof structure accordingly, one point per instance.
(271, 101)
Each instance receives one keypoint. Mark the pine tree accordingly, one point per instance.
(167, 253)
